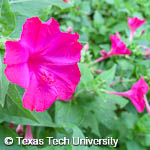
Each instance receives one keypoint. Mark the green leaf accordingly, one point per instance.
(20, 20)
(68, 112)
(98, 19)
(7, 19)
(86, 76)
(144, 124)
(107, 75)
(3, 81)
(24, 9)
(132, 145)
(104, 110)
(6, 132)
(31, 8)
(77, 133)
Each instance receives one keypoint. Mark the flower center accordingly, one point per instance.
(47, 78)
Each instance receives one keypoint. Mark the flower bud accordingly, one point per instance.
(20, 129)
(69, 29)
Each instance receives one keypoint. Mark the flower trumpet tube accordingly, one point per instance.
(137, 95)
(28, 133)
(117, 48)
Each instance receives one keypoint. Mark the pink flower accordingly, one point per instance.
(44, 62)
(11, 125)
(86, 47)
(28, 135)
(99, 71)
(69, 29)
(134, 24)
(147, 53)
(118, 35)
(103, 53)
(20, 129)
(117, 48)
(112, 84)
(66, 1)
(137, 95)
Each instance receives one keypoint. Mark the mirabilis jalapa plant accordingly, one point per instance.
(48, 75)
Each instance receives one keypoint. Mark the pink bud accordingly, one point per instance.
(118, 35)
(99, 71)
(69, 29)
(121, 80)
(66, 1)
(147, 53)
(28, 134)
(103, 53)
(143, 31)
(145, 47)
(112, 84)
(11, 125)
(86, 47)
(20, 129)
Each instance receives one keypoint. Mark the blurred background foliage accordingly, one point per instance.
(91, 113)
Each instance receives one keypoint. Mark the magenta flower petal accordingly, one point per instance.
(141, 86)
(39, 95)
(118, 47)
(66, 1)
(50, 69)
(134, 23)
(64, 50)
(37, 35)
(66, 79)
(18, 74)
(15, 53)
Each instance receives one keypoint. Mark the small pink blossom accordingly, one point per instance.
(86, 47)
(103, 53)
(134, 24)
(118, 35)
(117, 48)
(66, 1)
(11, 125)
(112, 84)
(143, 31)
(136, 95)
(44, 62)
(147, 53)
(99, 71)
(28, 135)
(69, 30)
(20, 129)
